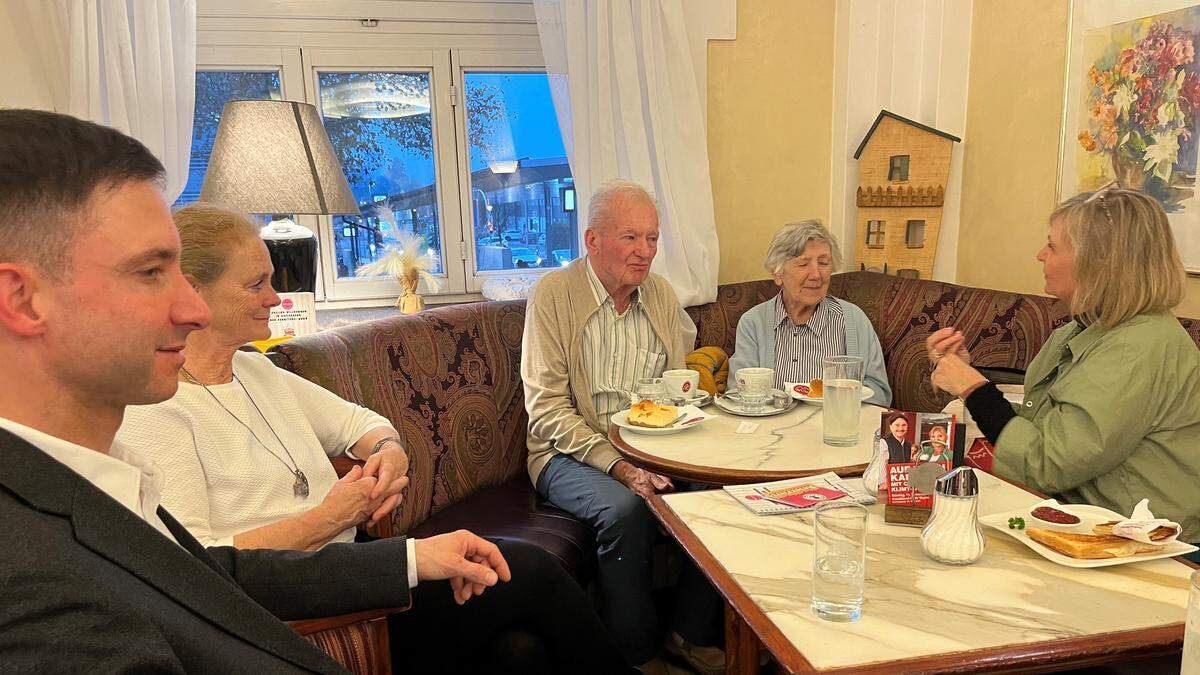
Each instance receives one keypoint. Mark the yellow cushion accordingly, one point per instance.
(713, 365)
(264, 345)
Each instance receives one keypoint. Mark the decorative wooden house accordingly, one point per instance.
(903, 168)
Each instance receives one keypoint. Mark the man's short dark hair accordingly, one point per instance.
(51, 168)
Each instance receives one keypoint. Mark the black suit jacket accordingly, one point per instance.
(87, 585)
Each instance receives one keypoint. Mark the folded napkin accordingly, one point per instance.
(694, 416)
(1141, 523)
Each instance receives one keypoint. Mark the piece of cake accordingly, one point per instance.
(651, 415)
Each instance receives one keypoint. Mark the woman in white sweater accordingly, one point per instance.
(245, 446)
(245, 450)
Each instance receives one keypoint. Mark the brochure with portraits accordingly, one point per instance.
(794, 495)
(912, 440)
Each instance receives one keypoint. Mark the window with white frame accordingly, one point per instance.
(460, 148)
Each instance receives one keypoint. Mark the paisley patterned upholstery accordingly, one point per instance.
(449, 381)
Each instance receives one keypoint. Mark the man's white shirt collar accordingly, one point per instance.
(123, 474)
(600, 292)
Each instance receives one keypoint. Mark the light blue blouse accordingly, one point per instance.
(756, 345)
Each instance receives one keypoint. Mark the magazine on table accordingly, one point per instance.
(794, 495)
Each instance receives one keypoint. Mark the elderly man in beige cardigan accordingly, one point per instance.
(591, 331)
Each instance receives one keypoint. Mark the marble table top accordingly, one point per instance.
(785, 445)
(915, 607)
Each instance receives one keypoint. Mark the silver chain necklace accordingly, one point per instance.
(300, 485)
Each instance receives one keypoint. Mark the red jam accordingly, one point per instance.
(1053, 515)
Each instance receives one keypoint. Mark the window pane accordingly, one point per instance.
(215, 88)
(381, 127)
(522, 195)
(914, 235)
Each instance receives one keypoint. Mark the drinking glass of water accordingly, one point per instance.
(649, 389)
(843, 397)
(839, 560)
(1191, 635)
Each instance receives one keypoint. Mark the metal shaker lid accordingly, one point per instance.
(960, 482)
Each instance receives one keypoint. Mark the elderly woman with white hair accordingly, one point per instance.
(794, 331)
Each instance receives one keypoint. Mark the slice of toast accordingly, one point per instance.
(651, 415)
(1157, 534)
(1089, 546)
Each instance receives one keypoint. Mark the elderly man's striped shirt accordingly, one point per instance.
(618, 350)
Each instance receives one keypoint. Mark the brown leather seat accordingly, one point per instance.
(513, 511)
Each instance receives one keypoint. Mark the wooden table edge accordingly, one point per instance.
(714, 475)
(1046, 655)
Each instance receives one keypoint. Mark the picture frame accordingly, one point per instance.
(1131, 108)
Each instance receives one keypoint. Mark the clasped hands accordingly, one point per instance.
(952, 371)
(371, 492)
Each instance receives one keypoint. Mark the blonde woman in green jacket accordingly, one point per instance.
(1112, 401)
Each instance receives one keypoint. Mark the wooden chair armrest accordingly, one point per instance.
(310, 626)
(342, 464)
(358, 641)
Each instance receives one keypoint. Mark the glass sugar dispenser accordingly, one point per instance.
(953, 535)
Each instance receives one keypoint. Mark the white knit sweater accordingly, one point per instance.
(220, 481)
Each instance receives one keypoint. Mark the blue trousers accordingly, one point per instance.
(625, 534)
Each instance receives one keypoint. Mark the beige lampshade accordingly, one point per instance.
(275, 157)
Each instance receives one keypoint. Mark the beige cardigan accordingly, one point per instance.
(558, 395)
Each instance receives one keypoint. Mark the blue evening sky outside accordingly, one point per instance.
(530, 112)
(531, 131)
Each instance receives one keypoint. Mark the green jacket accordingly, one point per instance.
(1111, 417)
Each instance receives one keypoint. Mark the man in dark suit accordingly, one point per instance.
(94, 574)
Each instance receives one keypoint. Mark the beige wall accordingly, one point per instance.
(770, 111)
(1014, 107)
(21, 82)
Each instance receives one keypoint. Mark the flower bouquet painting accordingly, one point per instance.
(1136, 103)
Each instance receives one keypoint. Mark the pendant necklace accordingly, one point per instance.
(300, 485)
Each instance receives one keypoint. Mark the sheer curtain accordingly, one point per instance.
(628, 107)
(128, 64)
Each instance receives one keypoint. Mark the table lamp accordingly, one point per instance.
(274, 157)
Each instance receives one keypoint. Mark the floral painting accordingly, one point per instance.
(1135, 102)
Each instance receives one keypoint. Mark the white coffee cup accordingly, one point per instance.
(754, 386)
(681, 384)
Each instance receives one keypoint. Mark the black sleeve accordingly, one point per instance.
(338, 579)
(990, 410)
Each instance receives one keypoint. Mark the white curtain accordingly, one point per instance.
(128, 64)
(628, 107)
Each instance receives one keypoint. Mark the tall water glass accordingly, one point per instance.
(843, 397)
(839, 560)
(1191, 634)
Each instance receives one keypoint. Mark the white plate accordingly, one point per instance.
(867, 393)
(731, 404)
(695, 417)
(1089, 516)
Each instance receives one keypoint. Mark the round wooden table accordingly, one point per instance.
(788, 445)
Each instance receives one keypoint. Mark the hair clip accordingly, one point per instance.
(1098, 196)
